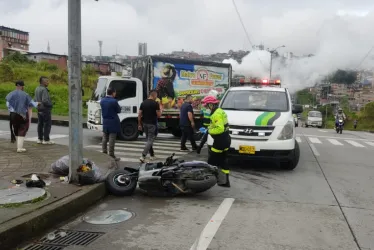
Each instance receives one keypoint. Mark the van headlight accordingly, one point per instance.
(287, 132)
(98, 116)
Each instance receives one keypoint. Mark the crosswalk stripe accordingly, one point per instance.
(155, 144)
(314, 140)
(123, 145)
(356, 144)
(335, 142)
(161, 143)
(298, 139)
(370, 143)
(52, 137)
(157, 152)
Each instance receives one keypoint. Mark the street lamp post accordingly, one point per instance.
(271, 58)
(75, 88)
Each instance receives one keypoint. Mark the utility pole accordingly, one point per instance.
(271, 57)
(75, 94)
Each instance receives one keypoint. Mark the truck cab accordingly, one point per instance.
(129, 95)
(261, 122)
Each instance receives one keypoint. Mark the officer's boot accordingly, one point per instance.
(223, 179)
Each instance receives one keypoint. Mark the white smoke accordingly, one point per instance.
(343, 44)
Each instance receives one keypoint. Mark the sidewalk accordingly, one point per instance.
(61, 202)
(56, 119)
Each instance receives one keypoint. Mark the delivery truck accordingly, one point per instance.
(172, 78)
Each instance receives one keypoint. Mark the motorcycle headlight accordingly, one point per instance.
(287, 132)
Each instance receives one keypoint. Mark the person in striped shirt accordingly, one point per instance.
(20, 106)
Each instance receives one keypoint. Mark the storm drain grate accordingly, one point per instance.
(43, 247)
(69, 238)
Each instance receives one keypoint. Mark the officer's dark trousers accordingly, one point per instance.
(220, 160)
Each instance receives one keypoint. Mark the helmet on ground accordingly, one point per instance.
(209, 100)
(213, 93)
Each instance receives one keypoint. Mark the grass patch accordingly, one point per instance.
(18, 67)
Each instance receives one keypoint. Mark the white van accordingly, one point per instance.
(314, 119)
(261, 123)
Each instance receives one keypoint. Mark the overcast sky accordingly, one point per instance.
(204, 26)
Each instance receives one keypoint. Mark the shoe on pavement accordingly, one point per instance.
(21, 150)
(142, 159)
(184, 150)
(48, 142)
(39, 142)
(152, 158)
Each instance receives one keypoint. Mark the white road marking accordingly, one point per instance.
(370, 143)
(356, 144)
(323, 131)
(315, 152)
(335, 142)
(206, 236)
(157, 152)
(4, 132)
(52, 137)
(334, 137)
(298, 139)
(314, 140)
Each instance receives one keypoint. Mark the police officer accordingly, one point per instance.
(206, 120)
(219, 130)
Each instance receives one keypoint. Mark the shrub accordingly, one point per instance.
(6, 73)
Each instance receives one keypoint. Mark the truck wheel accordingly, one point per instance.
(292, 164)
(129, 130)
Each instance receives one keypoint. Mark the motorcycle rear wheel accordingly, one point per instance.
(121, 183)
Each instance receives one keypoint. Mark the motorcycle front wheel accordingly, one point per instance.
(121, 183)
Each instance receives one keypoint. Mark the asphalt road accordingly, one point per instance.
(327, 202)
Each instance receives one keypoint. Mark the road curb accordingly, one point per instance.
(63, 123)
(36, 223)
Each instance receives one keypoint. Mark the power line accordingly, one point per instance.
(245, 31)
(363, 60)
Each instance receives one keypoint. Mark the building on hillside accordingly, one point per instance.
(101, 68)
(61, 61)
(116, 67)
(12, 40)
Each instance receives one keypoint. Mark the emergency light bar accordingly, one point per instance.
(259, 82)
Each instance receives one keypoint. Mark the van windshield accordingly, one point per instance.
(100, 89)
(254, 100)
(315, 114)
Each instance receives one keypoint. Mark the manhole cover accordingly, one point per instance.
(108, 217)
(20, 195)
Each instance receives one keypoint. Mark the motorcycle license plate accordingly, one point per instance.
(247, 150)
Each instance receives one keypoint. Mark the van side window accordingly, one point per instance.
(124, 89)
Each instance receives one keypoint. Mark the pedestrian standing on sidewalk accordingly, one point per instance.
(20, 105)
(355, 123)
(149, 112)
(111, 123)
(44, 111)
(187, 124)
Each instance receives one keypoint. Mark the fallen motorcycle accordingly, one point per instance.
(171, 177)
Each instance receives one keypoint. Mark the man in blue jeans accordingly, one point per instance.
(187, 124)
(44, 111)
